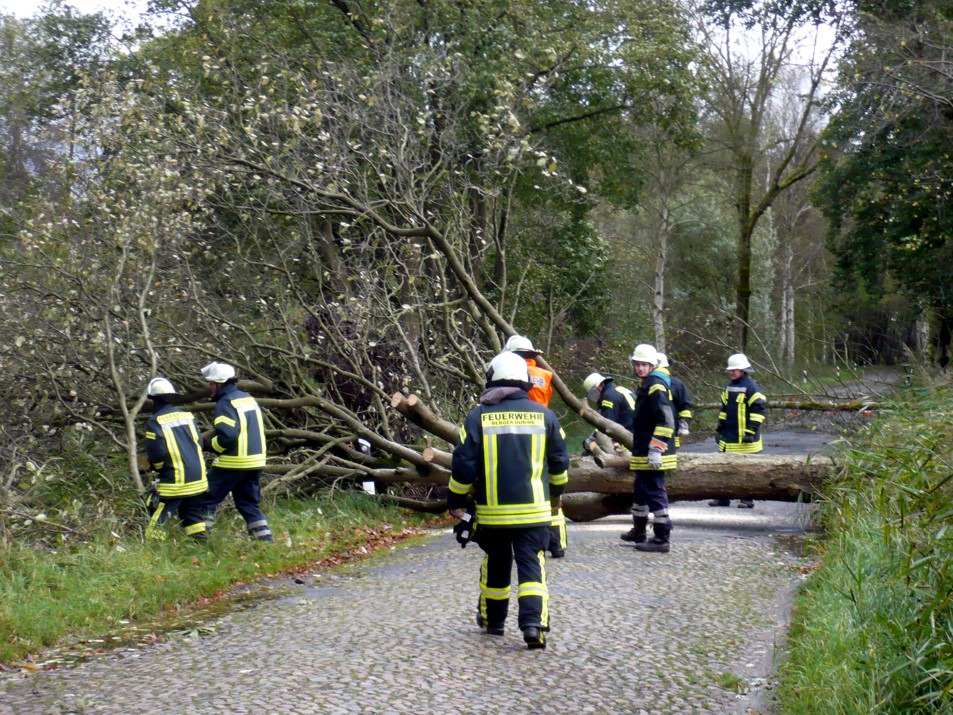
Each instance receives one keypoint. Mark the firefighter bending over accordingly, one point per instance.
(172, 449)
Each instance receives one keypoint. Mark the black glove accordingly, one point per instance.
(151, 497)
(463, 529)
(749, 438)
(587, 444)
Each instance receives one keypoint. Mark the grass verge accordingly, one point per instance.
(98, 586)
(873, 627)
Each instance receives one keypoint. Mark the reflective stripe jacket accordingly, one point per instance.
(617, 404)
(172, 446)
(653, 422)
(742, 413)
(542, 382)
(681, 401)
(239, 439)
(512, 453)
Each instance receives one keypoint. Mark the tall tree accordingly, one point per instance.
(322, 194)
(750, 47)
(886, 185)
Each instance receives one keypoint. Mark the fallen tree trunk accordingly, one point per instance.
(596, 491)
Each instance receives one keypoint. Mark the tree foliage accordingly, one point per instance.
(886, 183)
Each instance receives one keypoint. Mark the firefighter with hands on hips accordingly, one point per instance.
(743, 409)
(681, 400)
(173, 450)
(511, 454)
(614, 402)
(238, 441)
(653, 452)
(541, 391)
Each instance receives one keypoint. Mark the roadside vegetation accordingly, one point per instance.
(100, 586)
(873, 627)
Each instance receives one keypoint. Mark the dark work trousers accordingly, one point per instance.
(245, 487)
(189, 510)
(526, 546)
(649, 495)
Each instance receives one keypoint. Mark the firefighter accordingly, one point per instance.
(506, 445)
(681, 400)
(173, 450)
(614, 402)
(238, 441)
(541, 392)
(653, 452)
(540, 378)
(743, 409)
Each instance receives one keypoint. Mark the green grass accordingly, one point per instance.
(732, 682)
(873, 627)
(90, 588)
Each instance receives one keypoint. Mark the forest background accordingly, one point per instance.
(349, 201)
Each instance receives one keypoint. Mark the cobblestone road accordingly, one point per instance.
(631, 633)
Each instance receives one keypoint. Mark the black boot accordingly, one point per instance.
(494, 630)
(637, 533)
(659, 542)
(534, 637)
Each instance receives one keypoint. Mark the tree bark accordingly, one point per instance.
(596, 491)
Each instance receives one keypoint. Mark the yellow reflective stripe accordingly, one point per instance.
(463, 435)
(538, 445)
(656, 388)
(559, 519)
(183, 490)
(489, 468)
(150, 434)
(755, 397)
(224, 419)
(495, 594)
(686, 414)
(458, 487)
(178, 466)
(562, 433)
(742, 448)
(195, 528)
(532, 588)
(663, 431)
(756, 417)
(669, 461)
(512, 515)
(722, 415)
(226, 461)
(605, 403)
(627, 394)
(561, 478)
(155, 530)
(159, 465)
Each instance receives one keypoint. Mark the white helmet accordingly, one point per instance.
(644, 353)
(159, 386)
(507, 366)
(738, 361)
(520, 344)
(591, 383)
(662, 359)
(218, 372)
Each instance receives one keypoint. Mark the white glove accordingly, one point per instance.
(655, 458)
(682, 427)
